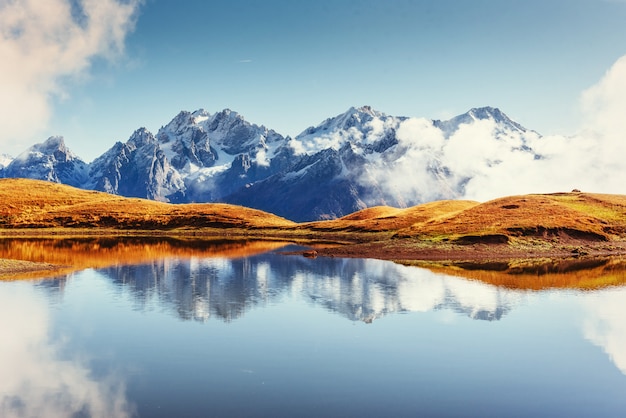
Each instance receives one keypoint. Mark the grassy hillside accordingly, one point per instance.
(387, 219)
(516, 226)
(37, 204)
(560, 216)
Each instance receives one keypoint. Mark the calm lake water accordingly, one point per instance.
(275, 335)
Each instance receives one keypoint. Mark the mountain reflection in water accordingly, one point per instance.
(202, 278)
(359, 289)
(198, 278)
(175, 329)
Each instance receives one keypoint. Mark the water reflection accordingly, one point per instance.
(604, 323)
(96, 252)
(177, 335)
(358, 289)
(540, 273)
(36, 379)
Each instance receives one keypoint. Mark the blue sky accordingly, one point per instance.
(291, 64)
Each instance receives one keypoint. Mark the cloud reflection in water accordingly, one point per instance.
(605, 326)
(198, 288)
(358, 289)
(36, 380)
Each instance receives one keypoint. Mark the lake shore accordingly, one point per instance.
(20, 269)
(577, 264)
(415, 250)
(405, 251)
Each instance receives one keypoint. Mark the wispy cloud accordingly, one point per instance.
(46, 45)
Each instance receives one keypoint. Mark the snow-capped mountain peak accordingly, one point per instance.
(141, 137)
(54, 145)
(363, 127)
(354, 117)
(359, 158)
(51, 160)
(200, 116)
(200, 140)
(496, 115)
(486, 113)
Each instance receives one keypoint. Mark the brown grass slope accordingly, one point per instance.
(558, 216)
(38, 204)
(388, 219)
(516, 227)
(561, 217)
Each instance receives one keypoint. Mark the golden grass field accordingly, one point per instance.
(38, 204)
(574, 215)
(442, 233)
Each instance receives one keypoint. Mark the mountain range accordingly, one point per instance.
(358, 159)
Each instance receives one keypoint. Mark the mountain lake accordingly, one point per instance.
(229, 333)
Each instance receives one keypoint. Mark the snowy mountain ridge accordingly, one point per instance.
(357, 159)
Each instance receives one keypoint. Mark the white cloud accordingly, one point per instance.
(404, 177)
(43, 44)
(499, 164)
(592, 160)
(604, 107)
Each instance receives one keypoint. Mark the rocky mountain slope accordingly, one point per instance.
(358, 159)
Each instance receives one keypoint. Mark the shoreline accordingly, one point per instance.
(12, 269)
(416, 250)
(409, 252)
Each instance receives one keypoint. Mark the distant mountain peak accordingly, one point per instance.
(228, 114)
(141, 137)
(347, 162)
(354, 117)
(54, 147)
(363, 113)
(200, 112)
(365, 110)
(50, 160)
(475, 114)
(54, 142)
(487, 112)
(200, 116)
